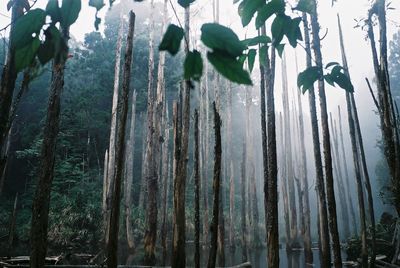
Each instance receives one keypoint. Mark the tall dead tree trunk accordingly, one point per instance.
(112, 247)
(320, 187)
(347, 178)
(231, 171)
(386, 109)
(243, 204)
(306, 218)
(109, 176)
(292, 241)
(340, 186)
(41, 201)
(330, 191)
(7, 86)
(129, 177)
(196, 191)
(360, 146)
(216, 189)
(181, 156)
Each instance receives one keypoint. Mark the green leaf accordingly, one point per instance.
(279, 28)
(98, 4)
(280, 48)
(97, 22)
(307, 6)
(338, 77)
(328, 78)
(27, 25)
(69, 12)
(251, 56)
(25, 55)
(193, 66)
(216, 36)
(185, 3)
(247, 9)
(262, 39)
(293, 32)
(54, 11)
(307, 78)
(51, 45)
(171, 40)
(229, 67)
(267, 10)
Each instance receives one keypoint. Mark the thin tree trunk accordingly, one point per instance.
(112, 247)
(243, 204)
(129, 177)
(216, 188)
(165, 175)
(181, 155)
(231, 172)
(41, 201)
(353, 113)
(320, 187)
(197, 191)
(306, 218)
(330, 191)
(346, 172)
(111, 149)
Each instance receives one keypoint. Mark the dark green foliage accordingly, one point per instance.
(26, 26)
(307, 78)
(185, 3)
(269, 9)
(262, 39)
(307, 6)
(247, 9)
(251, 56)
(172, 38)
(69, 12)
(193, 66)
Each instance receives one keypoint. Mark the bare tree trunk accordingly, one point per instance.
(320, 187)
(41, 201)
(7, 87)
(112, 247)
(332, 220)
(12, 226)
(111, 149)
(165, 176)
(181, 155)
(339, 179)
(306, 226)
(346, 172)
(357, 129)
(197, 191)
(216, 188)
(386, 109)
(143, 183)
(129, 177)
(231, 172)
(243, 204)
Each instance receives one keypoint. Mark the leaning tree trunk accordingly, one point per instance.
(320, 187)
(353, 113)
(41, 201)
(109, 175)
(112, 247)
(216, 188)
(330, 191)
(196, 191)
(7, 86)
(129, 177)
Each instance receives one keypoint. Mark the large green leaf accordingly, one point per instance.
(280, 48)
(69, 12)
(27, 25)
(25, 55)
(248, 8)
(216, 36)
(171, 40)
(279, 27)
(98, 4)
(267, 10)
(51, 45)
(229, 67)
(262, 39)
(293, 32)
(251, 57)
(307, 6)
(54, 11)
(185, 3)
(193, 66)
(336, 76)
(307, 78)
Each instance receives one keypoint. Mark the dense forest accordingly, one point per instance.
(169, 136)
